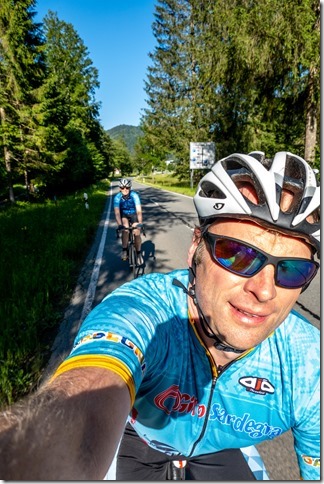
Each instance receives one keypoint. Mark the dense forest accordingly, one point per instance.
(50, 134)
(243, 74)
(256, 87)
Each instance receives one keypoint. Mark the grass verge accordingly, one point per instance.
(168, 182)
(42, 246)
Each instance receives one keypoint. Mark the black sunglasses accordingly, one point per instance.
(247, 260)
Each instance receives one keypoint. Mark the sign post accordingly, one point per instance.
(202, 156)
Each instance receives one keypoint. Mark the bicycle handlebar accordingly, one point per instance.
(138, 226)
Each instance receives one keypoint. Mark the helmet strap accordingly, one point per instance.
(203, 321)
(217, 342)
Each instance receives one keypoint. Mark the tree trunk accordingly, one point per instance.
(7, 158)
(311, 120)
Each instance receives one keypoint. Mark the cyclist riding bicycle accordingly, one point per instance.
(128, 209)
(201, 362)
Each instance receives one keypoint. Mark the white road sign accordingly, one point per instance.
(202, 155)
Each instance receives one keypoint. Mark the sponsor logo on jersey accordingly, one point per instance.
(257, 385)
(172, 400)
(312, 461)
(115, 338)
(245, 423)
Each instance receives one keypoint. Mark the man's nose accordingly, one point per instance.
(263, 284)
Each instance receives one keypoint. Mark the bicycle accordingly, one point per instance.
(132, 255)
(178, 469)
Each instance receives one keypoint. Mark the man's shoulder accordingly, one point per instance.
(299, 324)
(168, 277)
(163, 280)
(151, 294)
(156, 285)
(298, 337)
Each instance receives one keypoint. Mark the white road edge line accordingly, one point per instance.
(96, 268)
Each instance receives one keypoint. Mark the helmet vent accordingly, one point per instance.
(209, 190)
(314, 217)
(245, 180)
(249, 192)
(294, 168)
(289, 201)
(292, 195)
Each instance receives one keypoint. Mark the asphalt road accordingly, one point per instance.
(169, 219)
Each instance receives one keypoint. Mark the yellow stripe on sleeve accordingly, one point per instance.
(100, 361)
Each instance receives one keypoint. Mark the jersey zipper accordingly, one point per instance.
(207, 415)
(215, 376)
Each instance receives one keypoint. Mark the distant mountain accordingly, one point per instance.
(128, 133)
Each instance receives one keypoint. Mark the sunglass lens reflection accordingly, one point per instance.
(238, 257)
(295, 273)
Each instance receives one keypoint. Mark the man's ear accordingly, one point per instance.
(194, 244)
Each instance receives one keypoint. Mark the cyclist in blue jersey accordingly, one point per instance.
(204, 363)
(128, 208)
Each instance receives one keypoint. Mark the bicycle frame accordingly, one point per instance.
(132, 256)
(132, 259)
(177, 468)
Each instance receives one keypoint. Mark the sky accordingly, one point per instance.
(118, 35)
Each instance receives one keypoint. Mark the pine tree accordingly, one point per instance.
(177, 113)
(266, 74)
(21, 73)
(71, 130)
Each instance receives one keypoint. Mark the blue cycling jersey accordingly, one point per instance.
(127, 206)
(181, 405)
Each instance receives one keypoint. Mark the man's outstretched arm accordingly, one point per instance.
(68, 430)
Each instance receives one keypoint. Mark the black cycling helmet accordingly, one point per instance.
(124, 183)
(219, 195)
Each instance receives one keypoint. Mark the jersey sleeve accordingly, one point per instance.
(120, 334)
(304, 348)
(307, 439)
(117, 200)
(136, 199)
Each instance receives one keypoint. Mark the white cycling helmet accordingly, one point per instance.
(124, 183)
(219, 195)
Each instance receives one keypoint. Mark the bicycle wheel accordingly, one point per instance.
(132, 259)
